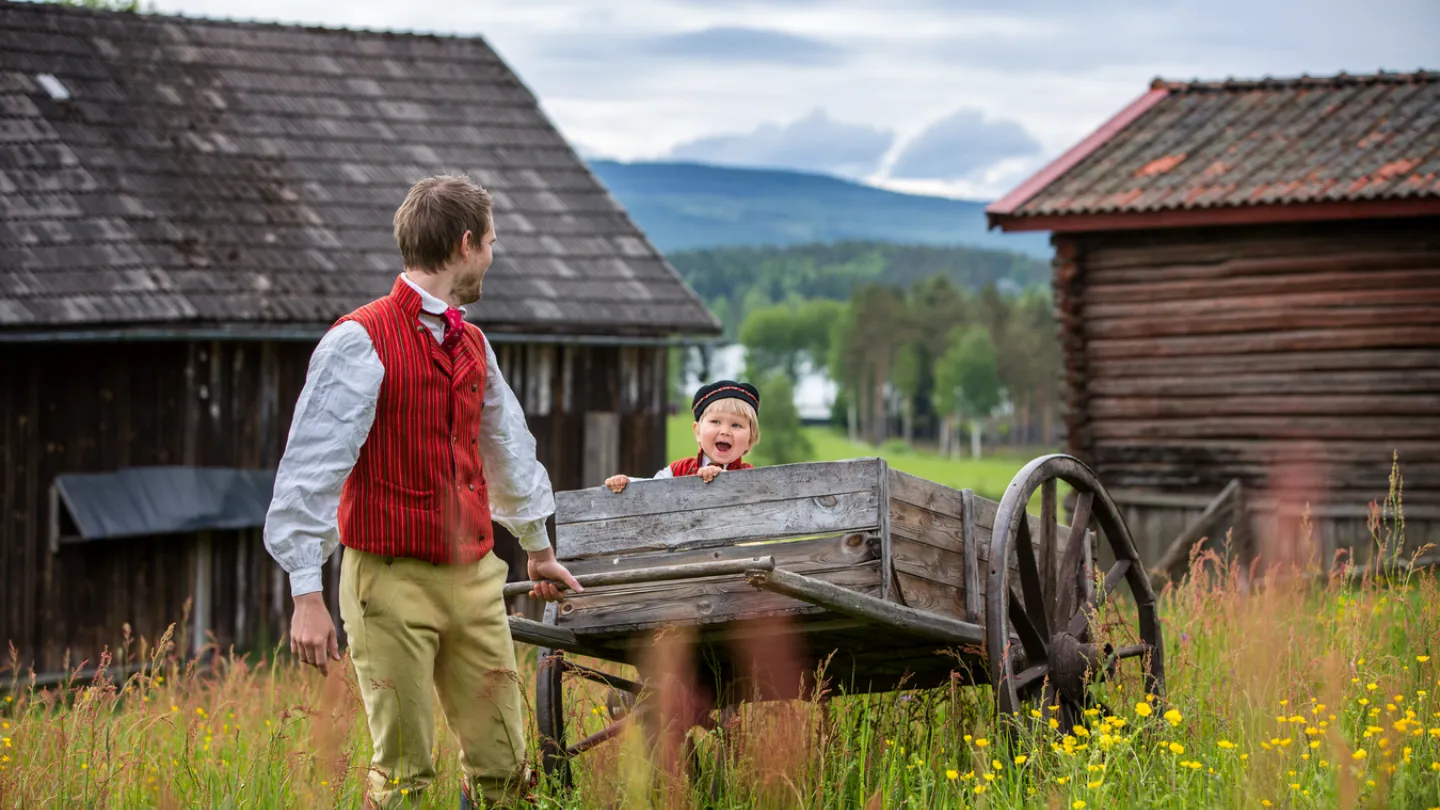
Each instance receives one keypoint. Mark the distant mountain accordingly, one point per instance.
(683, 206)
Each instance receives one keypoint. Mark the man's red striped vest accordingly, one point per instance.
(418, 487)
(690, 466)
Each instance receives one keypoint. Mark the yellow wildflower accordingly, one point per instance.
(952, 774)
(981, 743)
(1176, 748)
(1173, 717)
(1078, 804)
(1226, 744)
(1422, 658)
(1021, 760)
(1142, 709)
(1359, 754)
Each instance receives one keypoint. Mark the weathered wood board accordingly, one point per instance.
(938, 562)
(793, 500)
(854, 524)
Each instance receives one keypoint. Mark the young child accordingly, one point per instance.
(727, 426)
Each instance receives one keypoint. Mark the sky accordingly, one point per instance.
(950, 97)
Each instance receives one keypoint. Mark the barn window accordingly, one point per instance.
(149, 501)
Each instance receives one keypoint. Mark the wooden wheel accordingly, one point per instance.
(1052, 607)
(552, 665)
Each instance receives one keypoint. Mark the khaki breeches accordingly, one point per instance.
(418, 631)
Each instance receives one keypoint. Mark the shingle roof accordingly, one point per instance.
(1244, 144)
(223, 172)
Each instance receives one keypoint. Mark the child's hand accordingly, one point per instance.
(708, 473)
(617, 483)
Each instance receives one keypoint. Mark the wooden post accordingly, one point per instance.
(969, 547)
(1176, 558)
(200, 590)
(602, 448)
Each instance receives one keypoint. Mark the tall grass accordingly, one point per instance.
(1297, 688)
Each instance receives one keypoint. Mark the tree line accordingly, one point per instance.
(930, 344)
(735, 280)
(934, 362)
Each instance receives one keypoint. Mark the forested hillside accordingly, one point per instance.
(736, 280)
(683, 206)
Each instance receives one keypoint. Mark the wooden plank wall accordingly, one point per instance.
(99, 407)
(1299, 356)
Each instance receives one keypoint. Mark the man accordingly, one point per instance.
(406, 442)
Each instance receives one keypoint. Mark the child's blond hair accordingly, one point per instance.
(740, 408)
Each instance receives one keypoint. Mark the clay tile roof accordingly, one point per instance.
(161, 170)
(1237, 144)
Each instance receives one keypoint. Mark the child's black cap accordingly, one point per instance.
(724, 389)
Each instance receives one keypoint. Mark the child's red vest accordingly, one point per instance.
(690, 466)
(418, 487)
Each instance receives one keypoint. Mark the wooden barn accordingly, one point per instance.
(1247, 275)
(185, 207)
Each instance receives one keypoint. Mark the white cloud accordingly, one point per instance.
(813, 143)
(1056, 69)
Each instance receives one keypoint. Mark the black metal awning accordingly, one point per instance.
(142, 501)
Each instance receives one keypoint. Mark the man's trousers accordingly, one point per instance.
(418, 631)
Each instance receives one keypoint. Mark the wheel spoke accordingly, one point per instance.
(1071, 582)
(1025, 680)
(1049, 552)
(605, 678)
(1030, 581)
(607, 733)
(1030, 637)
(1081, 619)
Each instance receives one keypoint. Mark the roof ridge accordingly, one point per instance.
(44, 8)
(1341, 79)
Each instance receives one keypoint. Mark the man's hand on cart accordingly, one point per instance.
(544, 571)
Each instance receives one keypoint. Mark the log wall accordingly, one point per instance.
(74, 407)
(1300, 359)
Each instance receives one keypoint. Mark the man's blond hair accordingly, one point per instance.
(739, 407)
(436, 213)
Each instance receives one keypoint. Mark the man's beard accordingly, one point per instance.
(468, 289)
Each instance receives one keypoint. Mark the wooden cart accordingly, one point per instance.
(895, 579)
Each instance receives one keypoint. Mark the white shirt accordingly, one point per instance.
(332, 420)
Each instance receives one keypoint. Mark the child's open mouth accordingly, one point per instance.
(723, 447)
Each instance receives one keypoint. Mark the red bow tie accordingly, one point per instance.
(454, 329)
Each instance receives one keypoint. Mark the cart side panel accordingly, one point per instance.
(767, 503)
(937, 559)
(850, 561)
(820, 519)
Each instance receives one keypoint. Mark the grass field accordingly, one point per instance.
(988, 475)
(1294, 692)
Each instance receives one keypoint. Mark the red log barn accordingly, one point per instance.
(1247, 275)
